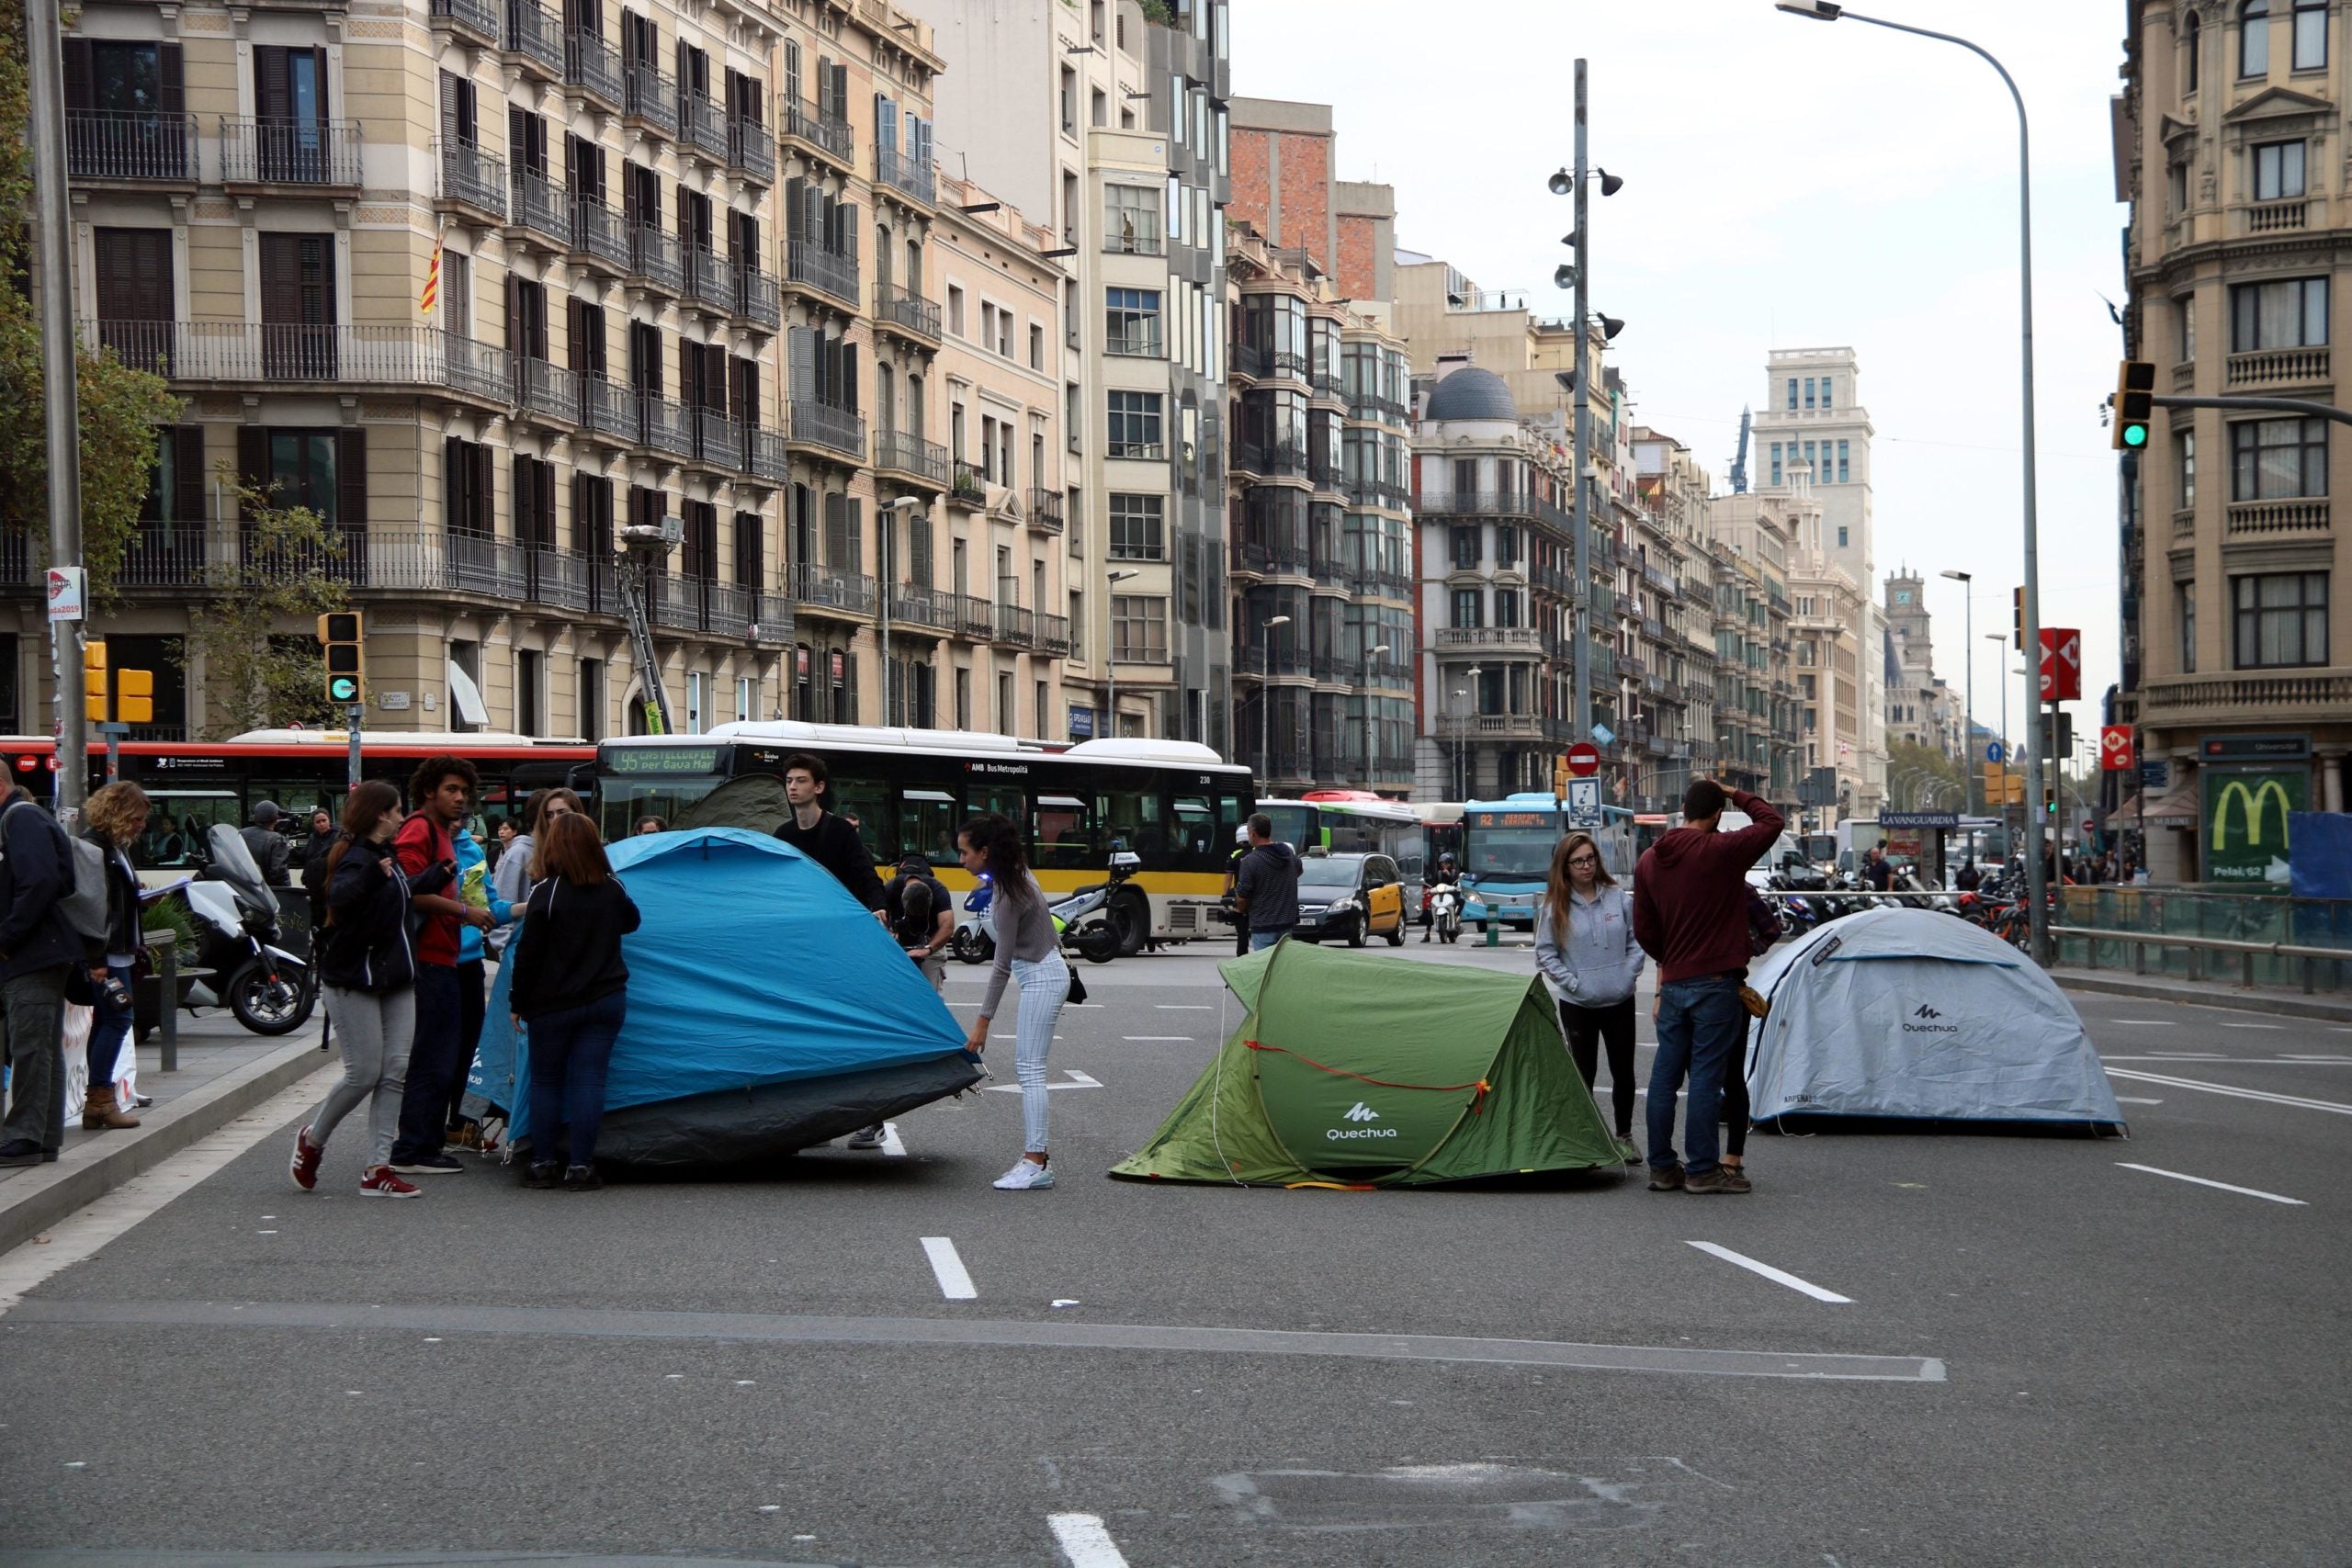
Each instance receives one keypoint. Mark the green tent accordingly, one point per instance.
(1354, 1070)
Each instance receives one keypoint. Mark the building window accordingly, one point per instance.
(1776, 462)
(1131, 219)
(2277, 170)
(2254, 38)
(530, 692)
(2274, 459)
(1808, 391)
(1466, 548)
(2185, 310)
(1135, 425)
(1136, 527)
(1793, 394)
(1845, 473)
(2185, 612)
(1506, 607)
(301, 471)
(955, 309)
(1841, 536)
(2282, 619)
(1036, 345)
(2184, 444)
(2311, 35)
(2191, 37)
(1139, 630)
(1824, 392)
(1131, 321)
(1469, 607)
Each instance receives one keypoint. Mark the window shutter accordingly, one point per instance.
(856, 533)
(79, 92)
(794, 212)
(841, 91)
(252, 461)
(171, 79)
(837, 554)
(526, 494)
(885, 124)
(351, 479)
(543, 531)
(188, 474)
(273, 89)
(847, 217)
(802, 346)
(922, 148)
(485, 498)
(849, 378)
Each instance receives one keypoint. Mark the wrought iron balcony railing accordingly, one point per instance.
(102, 145)
(288, 152)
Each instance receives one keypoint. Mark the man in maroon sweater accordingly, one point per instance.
(1691, 917)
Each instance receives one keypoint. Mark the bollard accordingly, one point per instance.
(1494, 933)
(168, 984)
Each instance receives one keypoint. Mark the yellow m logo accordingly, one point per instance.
(2250, 807)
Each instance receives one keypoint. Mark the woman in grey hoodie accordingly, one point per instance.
(1584, 945)
(511, 879)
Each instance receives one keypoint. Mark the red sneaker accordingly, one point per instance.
(305, 1166)
(383, 1181)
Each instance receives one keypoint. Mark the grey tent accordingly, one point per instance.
(1911, 1014)
(754, 801)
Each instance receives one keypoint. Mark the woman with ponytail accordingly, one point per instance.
(1028, 950)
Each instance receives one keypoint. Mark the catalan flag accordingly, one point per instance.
(432, 294)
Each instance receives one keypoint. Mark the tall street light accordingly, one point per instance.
(1460, 777)
(1111, 703)
(1825, 11)
(1968, 684)
(1266, 692)
(1371, 780)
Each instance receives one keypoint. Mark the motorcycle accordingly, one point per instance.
(1092, 924)
(270, 989)
(1446, 912)
(974, 942)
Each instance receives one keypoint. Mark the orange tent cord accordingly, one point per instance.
(1477, 1103)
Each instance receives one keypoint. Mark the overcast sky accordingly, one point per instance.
(1788, 184)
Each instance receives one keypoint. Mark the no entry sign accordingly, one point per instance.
(1584, 759)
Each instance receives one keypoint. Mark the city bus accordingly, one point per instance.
(1352, 821)
(1174, 804)
(195, 784)
(1507, 854)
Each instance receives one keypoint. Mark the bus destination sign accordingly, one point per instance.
(662, 759)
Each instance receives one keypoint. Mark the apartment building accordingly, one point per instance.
(1112, 126)
(1756, 709)
(642, 228)
(2227, 132)
(1320, 545)
(1672, 489)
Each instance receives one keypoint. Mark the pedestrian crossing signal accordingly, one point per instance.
(339, 639)
(2135, 405)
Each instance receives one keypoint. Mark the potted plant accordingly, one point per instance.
(166, 924)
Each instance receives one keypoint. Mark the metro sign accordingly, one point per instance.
(2115, 748)
(2062, 664)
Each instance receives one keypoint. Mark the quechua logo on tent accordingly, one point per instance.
(1359, 1111)
(1913, 1026)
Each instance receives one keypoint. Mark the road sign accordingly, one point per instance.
(2155, 773)
(1584, 759)
(1602, 735)
(1584, 803)
(1993, 751)
(2062, 664)
(66, 586)
(2115, 748)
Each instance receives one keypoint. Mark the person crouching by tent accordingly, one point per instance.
(1584, 945)
(572, 987)
(1028, 949)
(1691, 914)
(368, 970)
(922, 916)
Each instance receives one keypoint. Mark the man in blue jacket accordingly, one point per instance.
(37, 950)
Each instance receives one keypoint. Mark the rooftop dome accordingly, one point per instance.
(1472, 393)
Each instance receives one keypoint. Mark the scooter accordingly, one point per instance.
(1446, 912)
(1090, 923)
(974, 941)
(270, 990)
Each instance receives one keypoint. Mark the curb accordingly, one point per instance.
(2232, 998)
(40, 1198)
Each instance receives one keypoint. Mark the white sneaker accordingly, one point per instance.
(1026, 1175)
(868, 1138)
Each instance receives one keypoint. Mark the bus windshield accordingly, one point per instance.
(1521, 853)
(1294, 825)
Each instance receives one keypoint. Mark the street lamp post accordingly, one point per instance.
(1461, 776)
(1968, 685)
(1266, 691)
(1369, 780)
(1825, 11)
(1111, 662)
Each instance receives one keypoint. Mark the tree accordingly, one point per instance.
(258, 675)
(121, 407)
(1921, 766)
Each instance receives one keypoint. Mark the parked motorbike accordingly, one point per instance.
(974, 942)
(1094, 925)
(1446, 912)
(270, 989)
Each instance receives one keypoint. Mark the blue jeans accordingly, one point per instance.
(568, 1052)
(1701, 1029)
(108, 1025)
(432, 1065)
(1259, 940)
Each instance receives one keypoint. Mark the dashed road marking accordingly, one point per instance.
(2203, 1181)
(1184, 1007)
(1153, 1039)
(955, 1279)
(2253, 1026)
(1077, 1080)
(890, 1144)
(1082, 1541)
(1777, 1276)
(2132, 1100)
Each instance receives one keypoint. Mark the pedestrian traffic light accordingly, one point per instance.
(2017, 619)
(94, 679)
(347, 669)
(2050, 801)
(2135, 405)
(134, 697)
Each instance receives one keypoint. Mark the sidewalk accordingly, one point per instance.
(224, 1071)
(2324, 1006)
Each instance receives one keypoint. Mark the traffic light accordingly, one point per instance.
(1560, 774)
(134, 697)
(2017, 619)
(2135, 391)
(2050, 801)
(94, 679)
(346, 669)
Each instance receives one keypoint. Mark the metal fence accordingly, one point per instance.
(2200, 915)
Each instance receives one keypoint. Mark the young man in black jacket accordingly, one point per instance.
(825, 837)
(37, 950)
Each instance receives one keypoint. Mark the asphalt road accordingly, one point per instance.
(2046, 1356)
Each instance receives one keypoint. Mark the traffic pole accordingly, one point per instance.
(54, 284)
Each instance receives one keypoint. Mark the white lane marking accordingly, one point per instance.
(2147, 1022)
(2234, 1093)
(955, 1279)
(1077, 1080)
(2173, 1056)
(2201, 1181)
(2134, 1099)
(1153, 1039)
(2283, 1058)
(2238, 1061)
(1081, 1079)
(87, 1229)
(1084, 1542)
(890, 1144)
(2253, 1026)
(1184, 1007)
(1775, 1275)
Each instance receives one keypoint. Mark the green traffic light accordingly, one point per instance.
(343, 689)
(2135, 435)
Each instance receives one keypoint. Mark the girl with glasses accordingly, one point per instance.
(1584, 945)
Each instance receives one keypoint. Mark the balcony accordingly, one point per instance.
(919, 606)
(910, 315)
(711, 278)
(1278, 459)
(911, 458)
(718, 440)
(542, 208)
(1366, 408)
(661, 425)
(965, 488)
(277, 351)
(761, 301)
(657, 260)
(2264, 519)
(474, 178)
(1131, 240)
(772, 619)
(825, 588)
(1497, 726)
(975, 618)
(765, 456)
(608, 407)
(544, 389)
(478, 19)
(599, 237)
(534, 39)
(751, 150)
(595, 67)
(1492, 639)
(315, 153)
(1271, 559)
(2273, 368)
(102, 145)
(1016, 626)
(1053, 635)
(808, 266)
(2257, 697)
(651, 100)
(701, 127)
(1046, 510)
(826, 136)
(903, 175)
(836, 431)
(2277, 217)
(1501, 503)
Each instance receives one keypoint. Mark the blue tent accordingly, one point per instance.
(767, 1011)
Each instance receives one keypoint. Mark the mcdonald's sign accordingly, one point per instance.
(2246, 822)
